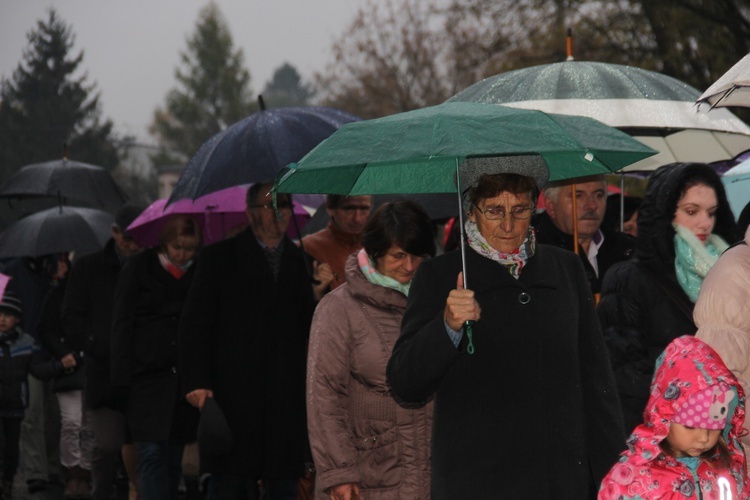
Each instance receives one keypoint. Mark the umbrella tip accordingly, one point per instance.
(261, 102)
(569, 45)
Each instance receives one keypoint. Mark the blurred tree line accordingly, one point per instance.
(213, 90)
(404, 54)
(44, 106)
(396, 55)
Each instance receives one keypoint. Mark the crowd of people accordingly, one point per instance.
(367, 362)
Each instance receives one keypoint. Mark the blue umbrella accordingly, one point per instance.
(256, 148)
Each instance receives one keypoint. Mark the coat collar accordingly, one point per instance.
(483, 274)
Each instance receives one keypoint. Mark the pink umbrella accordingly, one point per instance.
(219, 213)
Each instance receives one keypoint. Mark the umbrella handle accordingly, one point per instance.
(468, 325)
(469, 335)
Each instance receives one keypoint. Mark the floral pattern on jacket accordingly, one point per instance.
(644, 472)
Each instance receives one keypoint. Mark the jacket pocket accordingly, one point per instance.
(379, 459)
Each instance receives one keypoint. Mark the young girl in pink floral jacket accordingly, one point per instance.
(688, 446)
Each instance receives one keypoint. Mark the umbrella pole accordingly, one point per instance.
(622, 202)
(305, 257)
(461, 227)
(468, 325)
(575, 218)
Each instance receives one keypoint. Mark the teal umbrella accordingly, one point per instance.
(422, 151)
(418, 151)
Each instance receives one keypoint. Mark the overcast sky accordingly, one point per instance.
(131, 47)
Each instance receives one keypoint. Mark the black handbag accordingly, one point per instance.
(74, 380)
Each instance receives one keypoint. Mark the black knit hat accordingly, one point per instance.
(11, 303)
(126, 214)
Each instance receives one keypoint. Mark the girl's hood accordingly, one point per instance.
(689, 368)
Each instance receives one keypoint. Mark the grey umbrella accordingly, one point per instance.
(65, 180)
(656, 109)
(55, 230)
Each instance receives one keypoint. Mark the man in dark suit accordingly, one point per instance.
(243, 341)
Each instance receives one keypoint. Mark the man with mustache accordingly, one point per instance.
(598, 247)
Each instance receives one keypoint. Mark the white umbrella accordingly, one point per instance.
(732, 88)
(656, 109)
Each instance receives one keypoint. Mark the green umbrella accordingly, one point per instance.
(418, 151)
(421, 151)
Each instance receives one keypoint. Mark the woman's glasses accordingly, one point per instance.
(499, 213)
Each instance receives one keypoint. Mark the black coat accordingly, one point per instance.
(87, 319)
(615, 248)
(244, 336)
(32, 283)
(533, 412)
(643, 308)
(148, 304)
(20, 356)
(53, 339)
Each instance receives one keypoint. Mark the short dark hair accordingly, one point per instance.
(403, 223)
(334, 200)
(179, 226)
(125, 215)
(492, 185)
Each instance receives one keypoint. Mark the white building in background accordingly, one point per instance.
(167, 176)
(137, 170)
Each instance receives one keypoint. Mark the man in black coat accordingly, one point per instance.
(243, 341)
(598, 247)
(87, 319)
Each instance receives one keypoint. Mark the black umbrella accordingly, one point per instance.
(55, 230)
(256, 148)
(65, 179)
(437, 205)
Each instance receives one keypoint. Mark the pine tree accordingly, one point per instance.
(44, 106)
(213, 88)
(287, 89)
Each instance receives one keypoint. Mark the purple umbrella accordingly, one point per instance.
(218, 213)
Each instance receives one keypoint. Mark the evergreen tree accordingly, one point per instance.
(213, 88)
(44, 106)
(287, 89)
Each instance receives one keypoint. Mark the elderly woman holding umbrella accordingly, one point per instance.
(525, 401)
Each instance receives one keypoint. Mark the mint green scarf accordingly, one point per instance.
(367, 266)
(693, 259)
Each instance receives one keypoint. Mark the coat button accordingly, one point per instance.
(174, 369)
(524, 298)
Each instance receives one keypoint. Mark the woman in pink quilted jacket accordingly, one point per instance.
(688, 447)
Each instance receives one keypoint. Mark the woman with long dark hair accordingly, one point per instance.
(684, 224)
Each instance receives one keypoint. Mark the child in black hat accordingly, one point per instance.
(19, 356)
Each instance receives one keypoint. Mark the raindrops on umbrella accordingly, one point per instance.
(256, 148)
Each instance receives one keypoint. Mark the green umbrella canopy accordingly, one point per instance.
(418, 151)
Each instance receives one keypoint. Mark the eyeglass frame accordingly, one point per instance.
(513, 215)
